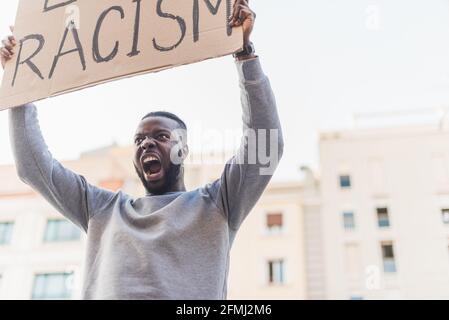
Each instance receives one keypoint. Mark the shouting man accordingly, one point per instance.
(172, 243)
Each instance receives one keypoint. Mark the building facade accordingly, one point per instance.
(385, 213)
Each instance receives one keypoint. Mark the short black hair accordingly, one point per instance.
(168, 115)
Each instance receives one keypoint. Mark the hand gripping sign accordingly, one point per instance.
(67, 45)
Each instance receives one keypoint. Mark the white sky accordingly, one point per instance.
(325, 58)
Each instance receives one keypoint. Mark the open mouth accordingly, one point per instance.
(152, 167)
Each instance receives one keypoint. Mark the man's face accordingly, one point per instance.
(153, 143)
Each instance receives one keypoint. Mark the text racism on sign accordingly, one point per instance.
(65, 45)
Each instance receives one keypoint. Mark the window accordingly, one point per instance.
(61, 230)
(345, 182)
(383, 219)
(274, 222)
(348, 220)
(6, 232)
(445, 215)
(388, 257)
(276, 272)
(52, 286)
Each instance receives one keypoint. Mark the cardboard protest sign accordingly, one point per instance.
(66, 45)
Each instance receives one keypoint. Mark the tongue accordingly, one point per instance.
(155, 167)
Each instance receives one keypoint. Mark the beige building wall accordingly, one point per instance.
(406, 170)
(28, 254)
(255, 246)
(312, 234)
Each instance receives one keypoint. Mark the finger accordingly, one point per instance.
(236, 17)
(242, 4)
(5, 51)
(11, 28)
(5, 54)
(236, 9)
(252, 11)
(10, 51)
(244, 15)
(7, 44)
(245, 12)
(12, 39)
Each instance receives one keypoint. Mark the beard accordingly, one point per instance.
(170, 180)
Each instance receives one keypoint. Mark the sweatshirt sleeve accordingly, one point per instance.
(248, 173)
(66, 191)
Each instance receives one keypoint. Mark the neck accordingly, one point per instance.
(179, 186)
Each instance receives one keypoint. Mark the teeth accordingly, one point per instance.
(150, 158)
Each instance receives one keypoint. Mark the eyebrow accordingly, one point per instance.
(139, 134)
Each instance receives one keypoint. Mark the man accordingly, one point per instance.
(172, 243)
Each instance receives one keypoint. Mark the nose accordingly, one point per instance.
(148, 143)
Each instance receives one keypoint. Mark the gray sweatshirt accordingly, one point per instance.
(174, 246)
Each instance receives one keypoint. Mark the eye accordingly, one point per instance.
(163, 137)
(138, 141)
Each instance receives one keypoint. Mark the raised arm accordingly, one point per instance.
(247, 174)
(68, 192)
